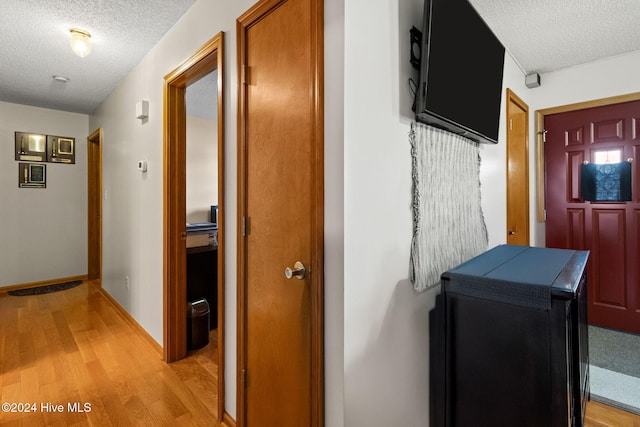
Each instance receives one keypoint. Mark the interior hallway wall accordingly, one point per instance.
(133, 201)
(43, 231)
(386, 327)
(202, 168)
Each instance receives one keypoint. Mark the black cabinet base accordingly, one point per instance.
(202, 278)
(496, 362)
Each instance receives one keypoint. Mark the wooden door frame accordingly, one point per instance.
(540, 139)
(250, 17)
(513, 99)
(205, 60)
(94, 194)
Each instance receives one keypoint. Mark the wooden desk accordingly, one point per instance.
(202, 278)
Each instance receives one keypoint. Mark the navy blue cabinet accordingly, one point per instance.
(509, 340)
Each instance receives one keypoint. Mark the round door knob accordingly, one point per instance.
(298, 271)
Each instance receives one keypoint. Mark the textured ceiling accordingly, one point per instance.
(201, 97)
(547, 35)
(541, 35)
(34, 46)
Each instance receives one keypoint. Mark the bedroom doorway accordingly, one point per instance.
(207, 59)
(94, 196)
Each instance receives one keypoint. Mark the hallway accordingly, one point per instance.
(69, 358)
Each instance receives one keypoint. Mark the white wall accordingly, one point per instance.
(334, 203)
(386, 338)
(43, 232)
(202, 168)
(132, 218)
(385, 322)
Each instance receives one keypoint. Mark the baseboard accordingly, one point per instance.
(4, 289)
(132, 322)
(228, 421)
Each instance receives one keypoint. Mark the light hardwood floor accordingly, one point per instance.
(73, 348)
(599, 415)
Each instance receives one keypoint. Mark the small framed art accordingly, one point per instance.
(60, 149)
(31, 147)
(32, 175)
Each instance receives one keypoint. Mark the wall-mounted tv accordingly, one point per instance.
(461, 69)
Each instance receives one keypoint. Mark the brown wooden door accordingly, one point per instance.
(94, 197)
(610, 230)
(280, 192)
(517, 171)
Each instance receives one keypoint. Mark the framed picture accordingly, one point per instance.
(31, 147)
(60, 149)
(32, 175)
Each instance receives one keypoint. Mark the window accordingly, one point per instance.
(607, 179)
(607, 157)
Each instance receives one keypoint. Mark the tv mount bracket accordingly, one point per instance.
(416, 47)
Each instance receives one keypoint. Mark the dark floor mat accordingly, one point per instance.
(39, 290)
(615, 350)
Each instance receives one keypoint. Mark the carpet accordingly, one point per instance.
(615, 368)
(39, 290)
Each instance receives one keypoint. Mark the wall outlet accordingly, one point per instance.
(126, 282)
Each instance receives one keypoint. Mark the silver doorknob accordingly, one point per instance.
(298, 271)
(512, 233)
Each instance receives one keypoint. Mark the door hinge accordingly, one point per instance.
(543, 132)
(244, 226)
(544, 215)
(245, 72)
(244, 378)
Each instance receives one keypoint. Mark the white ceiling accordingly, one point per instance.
(541, 35)
(548, 35)
(34, 46)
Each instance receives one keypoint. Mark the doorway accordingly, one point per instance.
(517, 170)
(280, 212)
(94, 196)
(576, 136)
(206, 60)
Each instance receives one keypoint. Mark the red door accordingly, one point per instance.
(610, 230)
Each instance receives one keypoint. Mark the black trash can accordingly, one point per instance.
(197, 323)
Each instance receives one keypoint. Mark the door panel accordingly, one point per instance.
(574, 161)
(606, 131)
(609, 230)
(635, 174)
(280, 183)
(278, 208)
(635, 262)
(608, 256)
(517, 171)
(576, 229)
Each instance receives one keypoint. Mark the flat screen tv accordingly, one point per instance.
(461, 67)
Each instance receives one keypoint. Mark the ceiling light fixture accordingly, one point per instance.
(80, 42)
